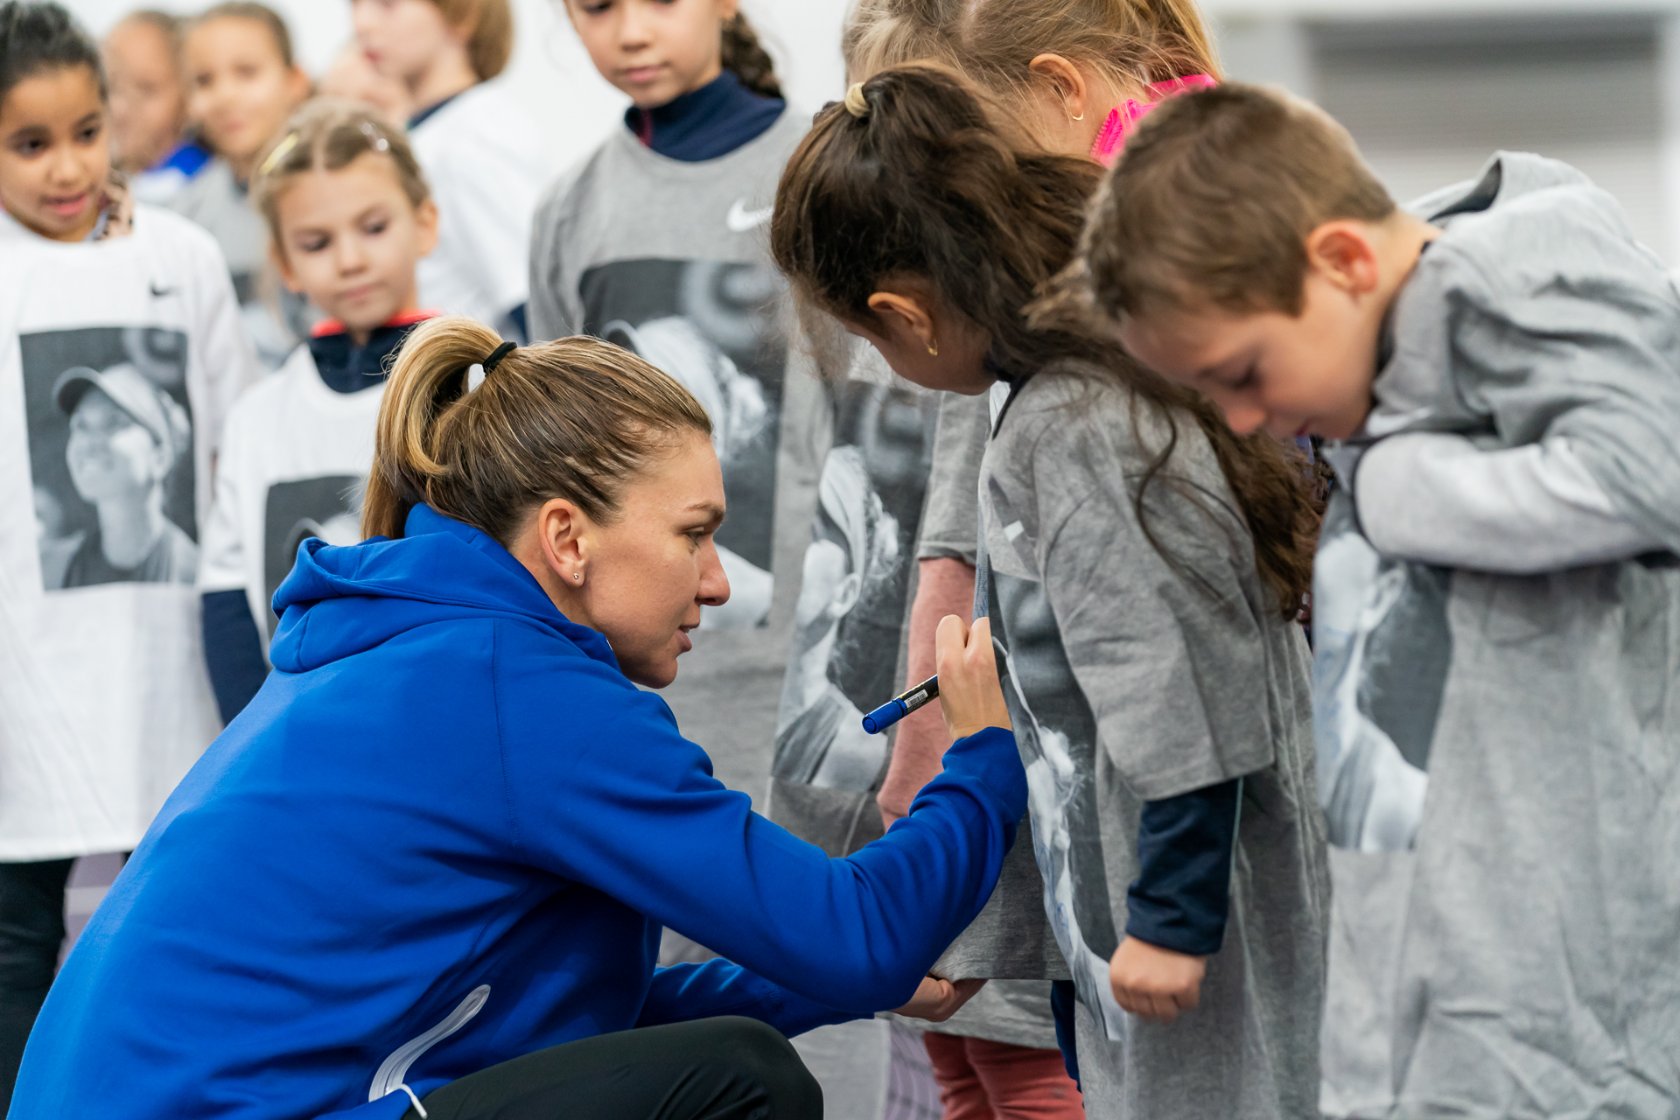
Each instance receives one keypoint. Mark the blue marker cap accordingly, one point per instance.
(885, 716)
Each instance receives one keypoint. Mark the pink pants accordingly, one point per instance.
(981, 1080)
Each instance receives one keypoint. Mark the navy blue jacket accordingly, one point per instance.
(447, 832)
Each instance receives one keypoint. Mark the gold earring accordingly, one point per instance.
(1080, 117)
(933, 348)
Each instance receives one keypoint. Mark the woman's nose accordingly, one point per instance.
(714, 582)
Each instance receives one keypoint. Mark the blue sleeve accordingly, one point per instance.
(630, 808)
(684, 992)
(232, 650)
(1183, 890)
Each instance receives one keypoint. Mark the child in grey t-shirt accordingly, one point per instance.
(1147, 570)
(1497, 597)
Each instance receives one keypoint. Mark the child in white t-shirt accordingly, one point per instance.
(243, 81)
(475, 142)
(120, 354)
(350, 217)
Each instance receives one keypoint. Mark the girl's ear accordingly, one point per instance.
(283, 268)
(905, 315)
(1065, 80)
(298, 86)
(426, 225)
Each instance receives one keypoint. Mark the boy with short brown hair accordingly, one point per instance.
(1497, 596)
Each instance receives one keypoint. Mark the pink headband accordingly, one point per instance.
(1111, 137)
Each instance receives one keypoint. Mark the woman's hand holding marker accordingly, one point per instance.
(969, 693)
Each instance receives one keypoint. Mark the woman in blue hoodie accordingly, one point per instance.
(425, 872)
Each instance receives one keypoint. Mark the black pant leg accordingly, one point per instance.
(31, 935)
(709, 1069)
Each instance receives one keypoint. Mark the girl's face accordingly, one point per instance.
(240, 89)
(54, 154)
(653, 50)
(350, 239)
(148, 102)
(404, 38)
(110, 455)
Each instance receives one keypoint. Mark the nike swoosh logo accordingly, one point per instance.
(160, 290)
(740, 219)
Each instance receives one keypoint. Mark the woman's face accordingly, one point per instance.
(110, 455)
(647, 575)
(653, 51)
(240, 89)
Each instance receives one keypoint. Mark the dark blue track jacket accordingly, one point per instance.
(447, 832)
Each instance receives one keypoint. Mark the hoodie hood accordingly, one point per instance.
(343, 600)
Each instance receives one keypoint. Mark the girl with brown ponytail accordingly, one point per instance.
(1146, 570)
(424, 874)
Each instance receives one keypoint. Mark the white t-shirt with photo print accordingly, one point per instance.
(294, 462)
(119, 362)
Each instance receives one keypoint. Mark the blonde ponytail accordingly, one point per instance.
(576, 418)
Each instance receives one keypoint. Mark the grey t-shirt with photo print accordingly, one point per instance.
(1138, 669)
(670, 259)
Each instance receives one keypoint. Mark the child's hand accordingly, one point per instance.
(937, 1000)
(970, 694)
(1154, 983)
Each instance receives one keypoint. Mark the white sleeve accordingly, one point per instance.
(226, 357)
(1436, 498)
(491, 201)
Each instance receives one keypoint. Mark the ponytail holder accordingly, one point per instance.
(1124, 119)
(279, 153)
(856, 104)
(497, 355)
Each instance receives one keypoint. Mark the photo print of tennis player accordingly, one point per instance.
(710, 325)
(327, 506)
(1058, 742)
(1383, 653)
(110, 447)
(850, 618)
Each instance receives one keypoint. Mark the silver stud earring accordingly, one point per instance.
(577, 576)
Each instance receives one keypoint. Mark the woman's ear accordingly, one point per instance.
(905, 316)
(560, 531)
(1065, 80)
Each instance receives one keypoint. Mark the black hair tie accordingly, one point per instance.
(497, 355)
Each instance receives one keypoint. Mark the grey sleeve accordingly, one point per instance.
(951, 521)
(550, 308)
(1167, 643)
(1590, 355)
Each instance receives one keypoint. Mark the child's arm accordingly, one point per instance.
(1436, 498)
(1572, 346)
(233, 651)
(944, 586)
(948, 550)
(1177, 906)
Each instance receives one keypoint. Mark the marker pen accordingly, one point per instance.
(901, 705)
